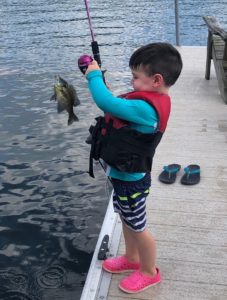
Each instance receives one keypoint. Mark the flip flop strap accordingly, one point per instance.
(188, 171)
(172, 170)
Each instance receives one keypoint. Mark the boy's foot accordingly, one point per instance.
(119, 264)
(138, 282)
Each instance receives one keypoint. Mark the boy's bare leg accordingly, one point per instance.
(140, 247)
(147, 251)
(131, 250)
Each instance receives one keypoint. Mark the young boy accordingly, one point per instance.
(126, 139)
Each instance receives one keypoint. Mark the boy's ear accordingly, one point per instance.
(158, 80)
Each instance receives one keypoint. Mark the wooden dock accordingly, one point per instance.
(190, 222)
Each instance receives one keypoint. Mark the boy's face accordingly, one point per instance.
(142, 82)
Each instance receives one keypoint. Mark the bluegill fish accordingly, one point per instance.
(66, 97)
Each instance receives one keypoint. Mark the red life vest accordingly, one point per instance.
(124, 148)
(160, 102)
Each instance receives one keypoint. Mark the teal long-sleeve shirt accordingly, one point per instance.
(141, 115)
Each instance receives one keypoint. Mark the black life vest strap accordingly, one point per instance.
(95, 131)
(91, 169)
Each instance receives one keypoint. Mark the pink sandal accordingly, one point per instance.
(119, 264)
(138, 282)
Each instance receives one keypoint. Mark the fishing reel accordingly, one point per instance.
(83, 62)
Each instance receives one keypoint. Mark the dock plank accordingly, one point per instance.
(173, 289)
(189, 222)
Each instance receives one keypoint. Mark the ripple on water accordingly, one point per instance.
(15, 285)
(18, 280)
(51, 277)
(17, 296)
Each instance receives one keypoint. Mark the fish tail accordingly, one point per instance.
(72, 118)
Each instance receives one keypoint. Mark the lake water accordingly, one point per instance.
(50, 210)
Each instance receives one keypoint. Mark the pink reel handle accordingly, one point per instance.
(83, 62)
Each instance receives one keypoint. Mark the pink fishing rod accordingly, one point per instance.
(85, 60)
(89, 20)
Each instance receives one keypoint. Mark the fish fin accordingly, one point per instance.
(53, 97)
(72, 119)
(76, 101)
(60, 107)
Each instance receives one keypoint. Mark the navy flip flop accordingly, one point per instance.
(192, 175)
(169, 173)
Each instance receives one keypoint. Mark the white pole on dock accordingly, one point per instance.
(177, 22)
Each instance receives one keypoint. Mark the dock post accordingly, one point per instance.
(177, 23)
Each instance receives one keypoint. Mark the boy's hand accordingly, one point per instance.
(92, 66)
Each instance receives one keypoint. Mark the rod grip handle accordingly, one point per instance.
(95, 51)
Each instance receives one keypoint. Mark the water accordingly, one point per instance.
(51, 211)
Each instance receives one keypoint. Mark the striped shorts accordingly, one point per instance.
(129, 200)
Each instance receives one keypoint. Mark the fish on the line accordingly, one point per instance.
(66, 97)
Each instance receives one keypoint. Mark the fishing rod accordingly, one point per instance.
(83, 63)
(85, 60)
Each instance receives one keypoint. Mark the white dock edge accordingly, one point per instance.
(97, 283)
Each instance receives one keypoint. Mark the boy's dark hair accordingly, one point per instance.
(158, 58)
